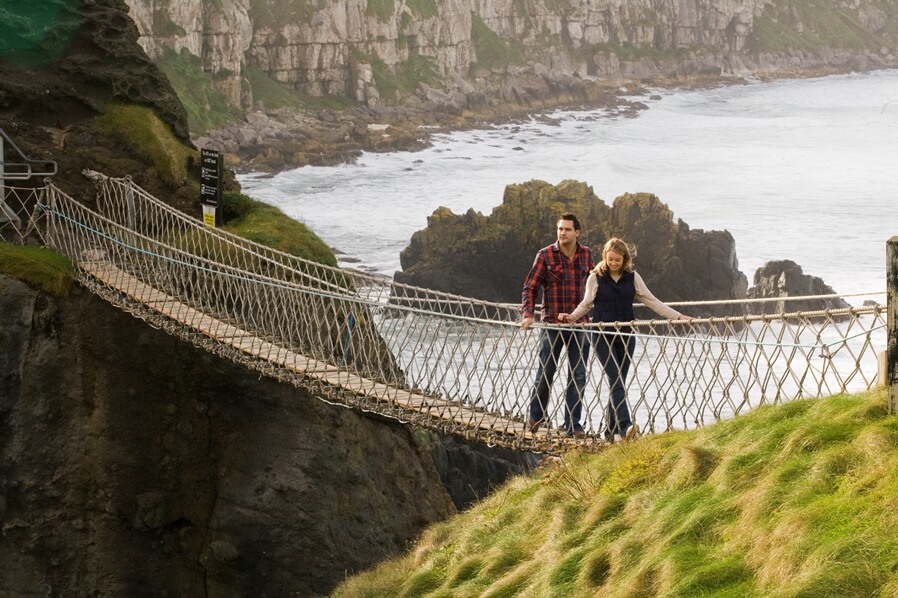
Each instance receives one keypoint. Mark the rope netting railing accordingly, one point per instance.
(450, 363)
(122, 201)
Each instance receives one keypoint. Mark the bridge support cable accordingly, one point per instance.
(454, 364)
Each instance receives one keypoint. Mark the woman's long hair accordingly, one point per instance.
(620, 246)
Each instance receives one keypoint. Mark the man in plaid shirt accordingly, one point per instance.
(560, 270)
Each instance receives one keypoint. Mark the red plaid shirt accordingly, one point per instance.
(561, 279)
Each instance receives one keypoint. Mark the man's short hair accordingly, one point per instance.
(572, 218)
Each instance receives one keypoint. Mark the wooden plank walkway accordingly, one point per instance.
(246, 342)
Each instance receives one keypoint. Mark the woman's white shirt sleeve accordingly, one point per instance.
(644, 296)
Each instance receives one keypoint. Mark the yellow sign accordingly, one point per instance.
(209, 215)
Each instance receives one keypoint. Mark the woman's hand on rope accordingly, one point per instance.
(564, 318)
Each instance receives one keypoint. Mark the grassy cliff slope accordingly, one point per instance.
(795, 500)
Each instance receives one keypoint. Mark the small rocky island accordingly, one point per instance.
(678, 263)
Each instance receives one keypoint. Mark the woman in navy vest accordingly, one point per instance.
(611, 289)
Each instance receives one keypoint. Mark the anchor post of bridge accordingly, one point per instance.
(892, 311)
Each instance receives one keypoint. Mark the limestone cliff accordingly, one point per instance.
(253, 74)
(354, 47)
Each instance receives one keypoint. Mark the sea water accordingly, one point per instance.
(805, 170)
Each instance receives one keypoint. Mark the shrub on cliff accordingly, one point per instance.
(268, 225)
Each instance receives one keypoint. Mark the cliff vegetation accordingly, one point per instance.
(41, 268)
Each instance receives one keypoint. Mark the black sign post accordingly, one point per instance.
(210, 186)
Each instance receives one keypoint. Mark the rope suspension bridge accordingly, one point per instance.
(451, 363)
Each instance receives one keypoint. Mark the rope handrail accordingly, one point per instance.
(786, 299)
(447, 362)
(120, 197)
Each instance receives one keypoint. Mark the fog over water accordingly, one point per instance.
(805, 170)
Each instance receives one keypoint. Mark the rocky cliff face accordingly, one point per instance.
(337, 47)
(133, 464)
(62, 64)
(677, 263)
(68, 60)
(417, 64)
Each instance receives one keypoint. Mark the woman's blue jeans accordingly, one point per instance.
(551, 343)
(614, 352)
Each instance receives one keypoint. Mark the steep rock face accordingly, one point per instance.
(488, 256)
(332, 47)
(221, 33)
(134, 464)
(62, 63)
(452, 62)
(87, 57)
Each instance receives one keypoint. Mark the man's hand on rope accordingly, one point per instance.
(526, 322)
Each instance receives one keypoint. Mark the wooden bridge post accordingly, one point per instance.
(892, 314)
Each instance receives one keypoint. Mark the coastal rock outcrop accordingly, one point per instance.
(135, 464)
(785, 278)
(488, 256)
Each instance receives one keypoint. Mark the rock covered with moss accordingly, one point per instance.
(63, 64)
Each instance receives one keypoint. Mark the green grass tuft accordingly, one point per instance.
(145, 133)
(493, 51)
(423, 9)
(274, 94)
(268, 225)
(402, 79)
(806, 25)
(38, 267)
(207, 108)
(382, 10)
